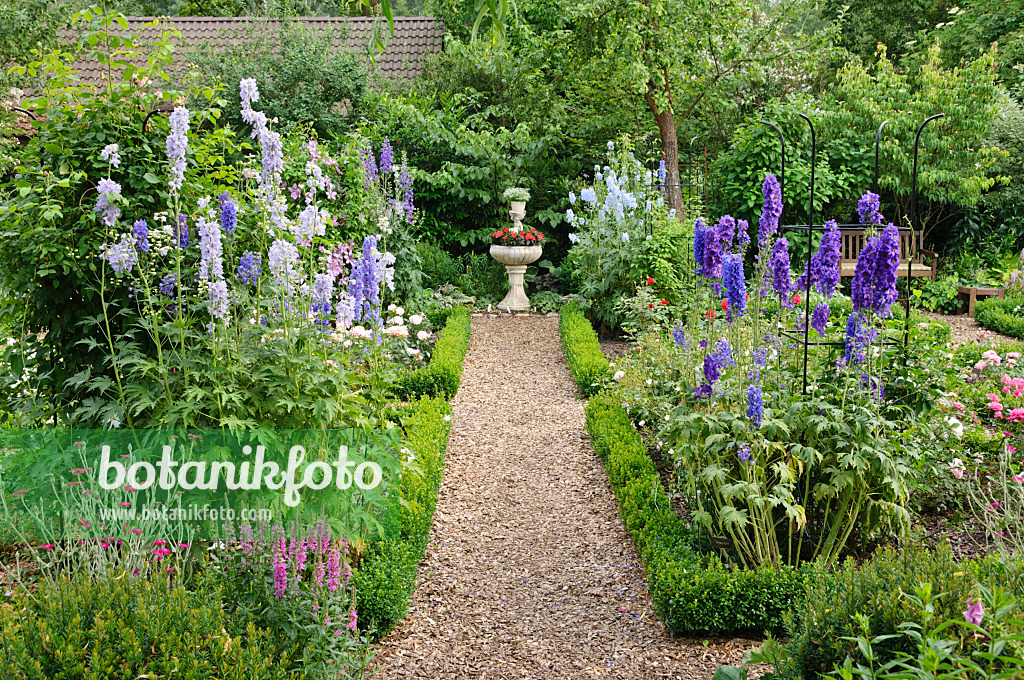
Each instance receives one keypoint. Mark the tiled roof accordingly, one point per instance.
(414, 38)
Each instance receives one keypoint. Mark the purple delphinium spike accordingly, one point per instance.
(177, 147)
(779, 271)
(140, 230)
(228, 213)
(369, 166)
(755, 405)
(698, 245)
(726, 232)
(735, 285)
(819, 317)
(386, 157)
(868, 209)
(768, 223)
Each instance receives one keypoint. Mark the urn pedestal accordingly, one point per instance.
(515, 259)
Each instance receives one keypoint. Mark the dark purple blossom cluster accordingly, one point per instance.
(869, 209)
(824, 265)
(874, 280)
(228, 213)
(250, 268)
(778, 270)
(387, 157)
(369, 166)
(735, 285)
(364, 286)
(679, 337)
(768, 223)
(755, 405)
(140, 230)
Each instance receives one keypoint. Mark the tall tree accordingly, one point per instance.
(679, 54)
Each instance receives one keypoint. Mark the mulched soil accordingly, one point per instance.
(530, 573)
(965, 330)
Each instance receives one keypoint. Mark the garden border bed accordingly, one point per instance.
(693, 594)
(386, 577)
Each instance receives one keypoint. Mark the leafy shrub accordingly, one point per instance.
(442, 376)
(938, 296)
(546, 301)
(817, 626)
(1002, 316)
(79, 628)
(587, 363)
(48, 267)
(485, 278)
(304, 79)
(437, 265)
(386, 575)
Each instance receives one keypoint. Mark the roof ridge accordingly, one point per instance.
(149, 19)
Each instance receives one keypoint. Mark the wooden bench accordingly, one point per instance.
(911, 251)
(972, 293)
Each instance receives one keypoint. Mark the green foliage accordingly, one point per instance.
(386, 576)
(587, 362)
(973, 26)
(819, 627)
(954, 167)
(1002, 316)
(863, 24)
(693, 595)
(546, 301)
(78, 628)
(302, 78)
(442, 376)
(938, 296)
(437, 266)
(51, 233)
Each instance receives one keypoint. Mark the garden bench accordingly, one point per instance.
(911, 251)
(972, 293)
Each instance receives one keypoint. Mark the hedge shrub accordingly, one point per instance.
(386, 575)
(441, 377)
(586, 362)
(1002, 316)
(130, 628)
(693, 594)
(815, 629)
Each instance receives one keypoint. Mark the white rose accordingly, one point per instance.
(415, 319)
(619, 375)
(422, 336)
(411, 351)
(400, 311)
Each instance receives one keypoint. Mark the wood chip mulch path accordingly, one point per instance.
(530, 573)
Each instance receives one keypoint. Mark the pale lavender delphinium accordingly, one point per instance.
(110, 154)
(106, 204)
(121, 256)
(177, 147)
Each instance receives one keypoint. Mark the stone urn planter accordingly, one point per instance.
(515, 259)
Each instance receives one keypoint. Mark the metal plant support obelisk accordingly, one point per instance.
(811, 227)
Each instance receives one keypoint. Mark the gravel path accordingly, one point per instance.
(530, 573)
(965, 330)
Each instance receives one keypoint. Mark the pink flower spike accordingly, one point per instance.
(1011, 449)
(125, 504)
(74, 483)
(1006, 389)
(79, 444)
(184, 546)
(137, 531)
(992, 396)
(958, 472)
(21, 492)
(1018, 479)
(974, 614)
(130, 488)
(48, 546)
(159, 542)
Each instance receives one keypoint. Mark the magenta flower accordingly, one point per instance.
(974, 612)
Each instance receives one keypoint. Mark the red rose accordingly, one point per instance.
(664, 302)
(796, 299)
(650, 281)
(725, 305)
(496, 234)
(652, 305)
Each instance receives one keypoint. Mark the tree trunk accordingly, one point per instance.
(670, 149)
